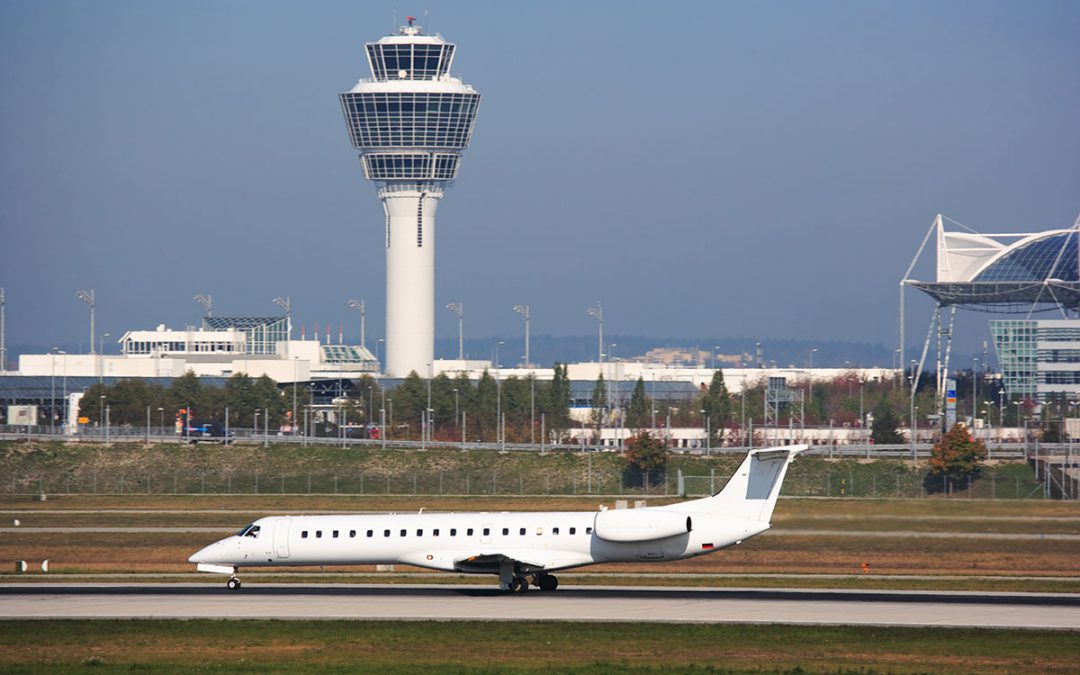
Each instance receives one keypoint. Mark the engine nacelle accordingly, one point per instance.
(626, 525)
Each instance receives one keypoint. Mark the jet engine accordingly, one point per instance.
(627, 525)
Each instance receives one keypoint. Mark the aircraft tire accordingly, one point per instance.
(234, 584)
(548, 582)
(519, 585)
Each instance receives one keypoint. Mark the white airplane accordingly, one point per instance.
(520, 547)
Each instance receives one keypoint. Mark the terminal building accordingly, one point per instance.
(1039, 359)
(1020, 273)
(221, 347)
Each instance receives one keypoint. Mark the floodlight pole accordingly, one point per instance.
(458, 308)
(88, 298)
(597, 312)
(358, 305)
(523, 310)
(286, 304)
(3, 343)
(207, 301)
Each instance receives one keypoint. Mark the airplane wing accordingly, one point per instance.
(488, 561)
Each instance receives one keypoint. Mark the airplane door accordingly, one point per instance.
(281, 537)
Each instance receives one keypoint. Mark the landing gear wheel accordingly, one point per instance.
(518, 585)
(548, 582)
(234, 584)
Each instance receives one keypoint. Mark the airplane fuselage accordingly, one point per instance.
(522, 548)
(446, 541)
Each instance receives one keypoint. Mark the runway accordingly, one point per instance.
(570, 603)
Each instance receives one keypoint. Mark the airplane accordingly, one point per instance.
(522, 548)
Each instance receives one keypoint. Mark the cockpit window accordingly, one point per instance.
(249, 531)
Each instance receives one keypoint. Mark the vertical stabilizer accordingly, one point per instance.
(751, 492)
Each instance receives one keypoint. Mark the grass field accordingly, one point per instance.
(129, 468)
(494, 647)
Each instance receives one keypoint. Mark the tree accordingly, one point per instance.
(638, 415)
(646, 457)
(481, 417)
(410, 401)
(717, 404)
(187, 392)
(240, 397)
(956, 458)
(1051, 432)
(885, 424)
(271, 399)
(558, 402)
(599, 402)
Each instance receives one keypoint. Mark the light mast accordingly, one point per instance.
(410, 123)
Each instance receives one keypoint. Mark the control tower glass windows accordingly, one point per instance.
(380, 166)
(409, 120)
(398, 61)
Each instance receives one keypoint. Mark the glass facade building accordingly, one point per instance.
(262, 333)
(1039, 359)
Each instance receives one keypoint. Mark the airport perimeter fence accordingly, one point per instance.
(1020, 483)
(248, 436)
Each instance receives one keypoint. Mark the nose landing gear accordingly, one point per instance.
(233, 584)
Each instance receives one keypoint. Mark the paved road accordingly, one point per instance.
(457, 603)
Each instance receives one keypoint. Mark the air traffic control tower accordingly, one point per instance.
(410, 123)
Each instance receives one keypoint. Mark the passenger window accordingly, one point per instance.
(588, 530)
(386, 533)
(487, 531)
(573, 530)
(403, 533)
(539, 531)
(435, 532)
(554, 530)
(370, 533)
(318, 534)
(522, 531)
(335, 534)
(419, 533)
(506, 531)
(352, 534)
(303, 535)
(453, 531)
(468, 532)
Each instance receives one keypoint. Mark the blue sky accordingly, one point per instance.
(705, 169)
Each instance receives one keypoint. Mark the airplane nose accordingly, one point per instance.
(197, 557)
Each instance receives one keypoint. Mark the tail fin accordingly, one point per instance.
(751, 492)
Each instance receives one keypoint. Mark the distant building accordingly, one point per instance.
(673, 356)
(222, 347)
(1039, 359)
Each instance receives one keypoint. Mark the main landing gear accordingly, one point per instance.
(517, 581)
(233, 584)
(545, 582)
